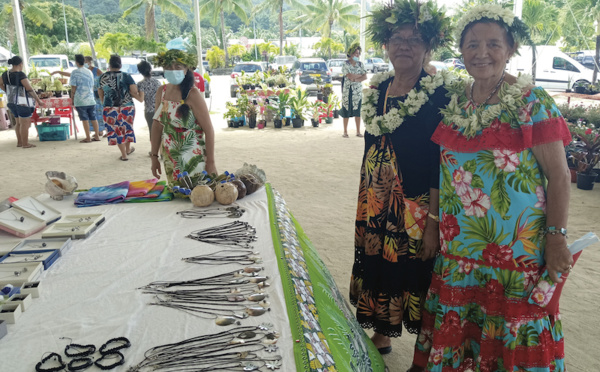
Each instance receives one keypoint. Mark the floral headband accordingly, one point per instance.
(427, 18)
(505, 17)
(172, 56)
(353, 48)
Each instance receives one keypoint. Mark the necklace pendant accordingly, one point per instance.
(226, 320)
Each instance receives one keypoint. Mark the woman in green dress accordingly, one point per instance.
(354, 74)
(182, 129)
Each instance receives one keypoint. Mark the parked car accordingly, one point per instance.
(375, 65)
(335, 67)
(51, 63)
(455, 62)
(586, 58)
(129, 65)
(307, 69)
(248, 68)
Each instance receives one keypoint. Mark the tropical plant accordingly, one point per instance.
(113, 43)
(277, 6)
(327, 46)
(586, 150)
(542, 17)
(38, 44)
(322, 15)
(150, 10)
(216, 10)
(299, 103)
(231, 111)
(215, 57)
(236, 50)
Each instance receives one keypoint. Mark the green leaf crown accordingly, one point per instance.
(172, 56)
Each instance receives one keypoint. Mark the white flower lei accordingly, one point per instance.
(511, 100)
(390, 121)
(491, 11)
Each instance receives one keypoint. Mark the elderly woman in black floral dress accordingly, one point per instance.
(396, 222)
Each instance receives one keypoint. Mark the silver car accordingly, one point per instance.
(335, 67)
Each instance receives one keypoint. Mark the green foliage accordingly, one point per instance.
(323, 15)
(215, 57)
(327, 46)
(299, 103)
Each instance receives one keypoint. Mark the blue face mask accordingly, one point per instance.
(85, 65)
(174, 77)
(355, 59)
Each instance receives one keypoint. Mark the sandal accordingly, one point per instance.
(359, 135)
(28, 146)
(121, 158)
(345, 135)
(131, 152)
(85, 141)
(95, 139)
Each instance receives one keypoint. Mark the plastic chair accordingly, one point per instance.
(66, 112)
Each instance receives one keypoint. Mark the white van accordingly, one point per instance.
(52, 63)
(287, 61)
(555, 69)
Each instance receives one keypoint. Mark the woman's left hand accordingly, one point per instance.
(431, 240)
(558, 257)
(211, 168)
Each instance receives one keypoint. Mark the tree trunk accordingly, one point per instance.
(533, 62)
(596, 56)
(281, 29)
(150, 22)
(223, 38)
(87, 30)
(329, 36)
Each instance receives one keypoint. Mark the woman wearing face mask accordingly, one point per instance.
(354, 74)
(117, 90)
(182, 130)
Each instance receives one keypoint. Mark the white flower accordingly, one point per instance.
(491, 11)
(425, 15)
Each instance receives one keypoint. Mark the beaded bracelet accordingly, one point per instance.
(79, 364)
(553, 230)
(39, 368)
(104, 351)
(87, 350)
(111, 355)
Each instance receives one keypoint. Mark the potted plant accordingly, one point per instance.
(569, 81)
(581, 87)
(327, 90)
(334, 101)
(251, 113)
(262, 121)
(299, 103)
(281, 81)
(318, 82)
(242, 106)
(585, 154)
(57, 87)
(315, 113)
(231, 113)
(283, 99)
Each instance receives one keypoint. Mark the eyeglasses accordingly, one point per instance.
(411, 41)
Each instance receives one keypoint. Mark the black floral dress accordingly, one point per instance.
(389, 283)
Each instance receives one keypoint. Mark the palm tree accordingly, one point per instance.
(217, 9)
(322, 15)
(150, 9)
(543, 21)
(277, 6)
(29, 11)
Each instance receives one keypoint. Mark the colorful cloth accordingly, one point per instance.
(115, 86)
(183, 144)
(83, 79)
(492, 208)
(141, 188)
(351, 90)
(158, 193)
(118, 122)
(149, 87)
(110, 194)
(389, 283)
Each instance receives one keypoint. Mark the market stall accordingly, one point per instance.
(93, 293)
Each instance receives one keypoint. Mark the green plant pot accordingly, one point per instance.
(586, 181)
(328, 120)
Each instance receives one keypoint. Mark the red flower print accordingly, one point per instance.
(451, 319)
(112, 141)
(495, 124)
(476, 203)
(496, 254)
(588, 131)
(449, 227)
(546, 338)
(197, 151)
(494, 287)
(506, 160)
(177, 114)
(461, 180)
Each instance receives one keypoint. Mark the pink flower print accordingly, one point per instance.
(513, 328)
(506, 160)
(466, 267)
(436, 356)
(425, 338)
(476, 203)
(541, 195)
(524, 116)
(542, 293)
(529, 279)
(461, 180)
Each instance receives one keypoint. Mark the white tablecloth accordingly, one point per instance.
(90, 296)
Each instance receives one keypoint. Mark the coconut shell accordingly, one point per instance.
(226, 193)
(250, 182)
(202, 196)
(241, 188)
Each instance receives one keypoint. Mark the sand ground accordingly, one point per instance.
(317, 172)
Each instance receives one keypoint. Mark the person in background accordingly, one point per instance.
(354, 74)
(96, 73)
(148, 86)
(117, 90)
(15, 84)
(82, 91)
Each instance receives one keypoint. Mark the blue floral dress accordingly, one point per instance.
(492, 208)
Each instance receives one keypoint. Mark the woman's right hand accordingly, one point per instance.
(156, 170)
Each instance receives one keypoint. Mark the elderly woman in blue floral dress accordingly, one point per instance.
(504, 200)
